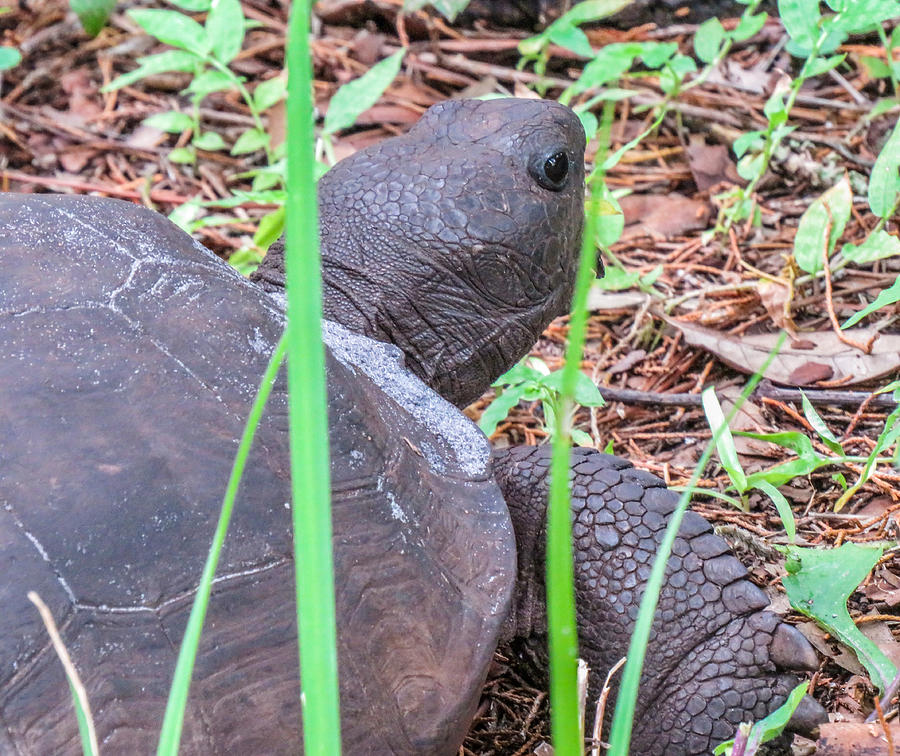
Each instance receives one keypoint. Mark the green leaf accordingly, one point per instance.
(173, 28)
(588, 122)
(884, 183)
(183, 155)
(184, 215)
(449, 8)
(359, 95)
(862, 15)
(571, 38)
(819, 426)
(886, 297)
(610, 226)
(581, 438)
(801, 21)
(192, 6)
(171, 60)
(818, 66)
(725, 443)
(708, 39)
(266, 180)
(171, 121)
(878, 246)
(675, 70)
(211, 81)
(655, 54)
(592, 10)
(748, 26)
(876, 68)
(782, 506)
(830, 212)
(209, 141)
(586, 392)
(747, 140)
(92, 14)
(250, 141)
(618, 279)
(271, 226)
(268, 93)
(225, 29)
(820, 589)
(770, 727)
(521, 372)
(808, 459)
(9, 58)
(496, 412)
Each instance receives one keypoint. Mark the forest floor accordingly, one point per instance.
(713, 306)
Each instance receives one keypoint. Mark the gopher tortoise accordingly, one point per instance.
(129, 357)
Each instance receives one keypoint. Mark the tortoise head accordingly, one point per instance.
(459, 240)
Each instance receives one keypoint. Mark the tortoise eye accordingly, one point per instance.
(551, 171)
(556, 167)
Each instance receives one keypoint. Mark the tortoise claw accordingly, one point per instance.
(790, 650)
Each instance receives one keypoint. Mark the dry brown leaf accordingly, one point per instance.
(710, 164)
(880, 634)
(776, 298)
(662, 215)
(884, 588)
(748, 353)
(854, 739)
(827, 646)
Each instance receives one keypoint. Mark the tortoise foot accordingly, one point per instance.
(716, 657)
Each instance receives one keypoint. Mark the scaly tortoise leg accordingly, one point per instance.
(715, 657)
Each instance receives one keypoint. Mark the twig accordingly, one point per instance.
(829, 302)
(601, 708)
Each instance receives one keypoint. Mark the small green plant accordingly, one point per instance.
(808, 459)
(531, 380)
(204, 51)
(813, 36)
(93, 14)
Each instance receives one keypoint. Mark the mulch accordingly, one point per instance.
(59, 133)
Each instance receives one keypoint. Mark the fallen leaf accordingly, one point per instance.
(880, 634)
(854, 739)
(883, 588)
(828, 646)
(748, 353)
(776, 298)
(710, 164)
(662, 215)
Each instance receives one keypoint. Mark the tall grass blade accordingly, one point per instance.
(562, 635)
(170, 735)
(620, 736)
(308, 414)
(79, 696)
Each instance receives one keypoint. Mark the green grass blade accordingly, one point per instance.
(311, 508)
(562, 635)
(170, 735)
(623, 719)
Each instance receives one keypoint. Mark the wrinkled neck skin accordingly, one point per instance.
(441, 243)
